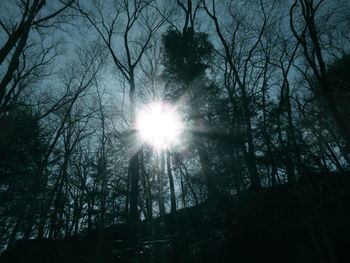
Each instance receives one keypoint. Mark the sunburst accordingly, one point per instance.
(159, 125)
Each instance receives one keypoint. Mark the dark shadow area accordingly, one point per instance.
(305, 222)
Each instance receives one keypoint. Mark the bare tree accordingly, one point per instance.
(241, 77)
(139, 23)
(19, 60)
(310, 40)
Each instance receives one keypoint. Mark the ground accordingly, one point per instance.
(305, 222)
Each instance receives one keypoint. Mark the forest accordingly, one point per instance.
(175, 131)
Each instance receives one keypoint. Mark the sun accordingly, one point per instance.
(159, 125)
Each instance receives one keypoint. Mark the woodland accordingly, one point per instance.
(252, 164)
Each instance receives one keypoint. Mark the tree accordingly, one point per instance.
(240, 75)
(171, 182)
(309, 38)
(22, 149)
(186, 56)
(339, 85)
(318, 110)
(22, 62)
(138, 29)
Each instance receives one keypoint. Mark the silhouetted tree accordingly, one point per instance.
(22, 150)
(313, 52)
(135, 18)
(186, 56)
(19, 52)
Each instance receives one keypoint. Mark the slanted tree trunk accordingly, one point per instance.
(183, 192)
(184, 174)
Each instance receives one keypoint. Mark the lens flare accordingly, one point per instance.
(159, 125)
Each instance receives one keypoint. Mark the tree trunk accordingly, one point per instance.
(12, 238)
(188, 182)
(146, 188)
(171, 182)
(201, 149)
(183, 193)
(161, 186)
(133, 166)
(134, 192)
(29, 227)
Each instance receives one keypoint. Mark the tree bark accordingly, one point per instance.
(171, 182)
(161, 185)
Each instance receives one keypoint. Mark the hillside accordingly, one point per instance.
(305, 222)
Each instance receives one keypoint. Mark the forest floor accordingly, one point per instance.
(305, 222)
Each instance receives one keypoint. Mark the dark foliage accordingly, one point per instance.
(339, 79)
(186, 55)
(21, 148)
(339, 82)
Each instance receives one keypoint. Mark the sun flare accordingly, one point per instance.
(159, 125)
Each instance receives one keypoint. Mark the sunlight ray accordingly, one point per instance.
(159, 125)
